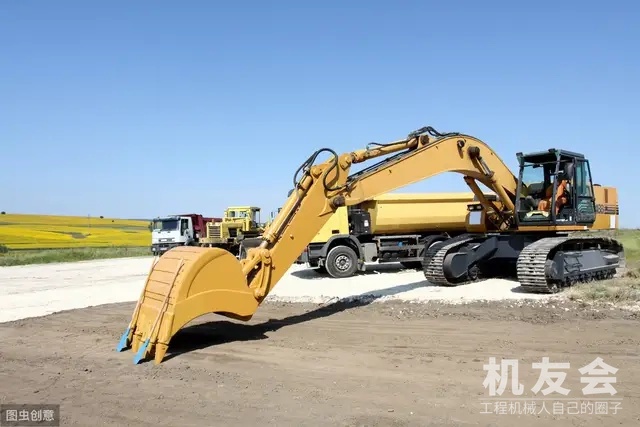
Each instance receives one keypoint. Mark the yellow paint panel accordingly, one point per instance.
(405, 213)
(418, 213)
(338, 223)
(50, 232)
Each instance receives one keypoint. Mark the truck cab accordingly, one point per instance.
(245, 217)
(238, 222)
(171, 231)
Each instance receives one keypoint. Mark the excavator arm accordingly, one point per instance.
(188, 282)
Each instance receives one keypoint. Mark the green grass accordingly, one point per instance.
(625, 290)
(45, 256)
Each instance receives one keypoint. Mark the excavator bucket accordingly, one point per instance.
(185, 283)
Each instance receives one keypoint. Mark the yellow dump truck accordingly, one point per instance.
(388, 228)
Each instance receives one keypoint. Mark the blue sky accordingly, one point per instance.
(139, 109)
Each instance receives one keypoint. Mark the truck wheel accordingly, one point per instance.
(342, 262)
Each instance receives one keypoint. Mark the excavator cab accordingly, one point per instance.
(555, 188)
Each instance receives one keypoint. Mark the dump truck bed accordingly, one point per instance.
(418, 212)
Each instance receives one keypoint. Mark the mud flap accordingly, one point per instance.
(185, 283)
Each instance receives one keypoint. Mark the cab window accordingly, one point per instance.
(583, 179)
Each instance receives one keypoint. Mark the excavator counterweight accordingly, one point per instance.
(535, 230)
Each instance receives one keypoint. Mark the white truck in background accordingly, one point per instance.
(177, 230)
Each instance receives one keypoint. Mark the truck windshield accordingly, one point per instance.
(165, 225)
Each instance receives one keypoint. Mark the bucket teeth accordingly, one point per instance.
(160, 351)
(127, 337)
(125, 340)
(143, 349)
(148, 349)
(185, 283)
(142, 352)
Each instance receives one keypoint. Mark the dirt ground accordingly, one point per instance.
(381, 364)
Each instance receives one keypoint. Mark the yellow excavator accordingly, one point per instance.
(536, 231)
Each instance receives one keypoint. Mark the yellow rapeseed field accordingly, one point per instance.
(50, 232)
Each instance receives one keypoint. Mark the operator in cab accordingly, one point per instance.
(562, 193)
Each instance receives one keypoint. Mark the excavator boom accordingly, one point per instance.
(188, 282)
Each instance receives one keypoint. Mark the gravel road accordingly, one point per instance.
(37, 290)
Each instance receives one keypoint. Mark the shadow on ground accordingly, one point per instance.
(203, 335)
(312, 273)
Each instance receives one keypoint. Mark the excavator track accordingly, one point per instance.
(433, 261)
(534, 265)
(533, 271)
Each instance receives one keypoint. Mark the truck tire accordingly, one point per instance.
(341, 262)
